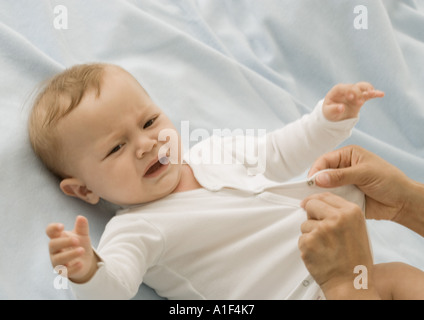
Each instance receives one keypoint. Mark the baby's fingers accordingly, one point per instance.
(66, 257)
(373, 94)
(355, 96)
(368, 91)
(354, 93)
(364, 86)
(58, 244)
(54, 230)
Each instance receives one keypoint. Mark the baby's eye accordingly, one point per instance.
(149, 123)
(116, 149)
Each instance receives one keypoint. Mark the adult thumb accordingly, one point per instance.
(81, 226)
(335, 178)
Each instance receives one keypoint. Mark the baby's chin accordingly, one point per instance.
(124, 203)
(153, 189)
(135, 202)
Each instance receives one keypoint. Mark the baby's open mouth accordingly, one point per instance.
(156, 167)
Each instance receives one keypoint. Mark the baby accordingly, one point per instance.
(189, 230)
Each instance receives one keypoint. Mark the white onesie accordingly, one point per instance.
(236, 238)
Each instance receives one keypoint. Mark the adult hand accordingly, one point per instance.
(390, 194)
(334, 241)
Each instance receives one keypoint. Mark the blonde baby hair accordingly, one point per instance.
(58, 97)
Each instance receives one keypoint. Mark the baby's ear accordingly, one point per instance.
(75, 188)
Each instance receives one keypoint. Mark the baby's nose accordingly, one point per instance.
(145, 146)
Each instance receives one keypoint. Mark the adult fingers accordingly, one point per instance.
(337, 177)
(323, 205)
(329, 198)
(308, 226)
(340, 158)
(346, 163)
(317, 209)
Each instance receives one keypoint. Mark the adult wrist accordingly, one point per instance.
(412, 214)
(347, 291)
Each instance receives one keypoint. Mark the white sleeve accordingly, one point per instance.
(289, 151)
(128, 247)
(102, 286)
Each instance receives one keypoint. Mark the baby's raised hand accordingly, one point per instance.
(344, 101)
(73, 250)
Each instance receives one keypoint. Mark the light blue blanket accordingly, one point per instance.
(228, 64)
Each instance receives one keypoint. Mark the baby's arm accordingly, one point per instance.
(344, 101)
(73, 250)
(290, 150)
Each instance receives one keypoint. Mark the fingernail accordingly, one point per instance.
(323, 179)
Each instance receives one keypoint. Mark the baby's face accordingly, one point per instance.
(112, 144)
